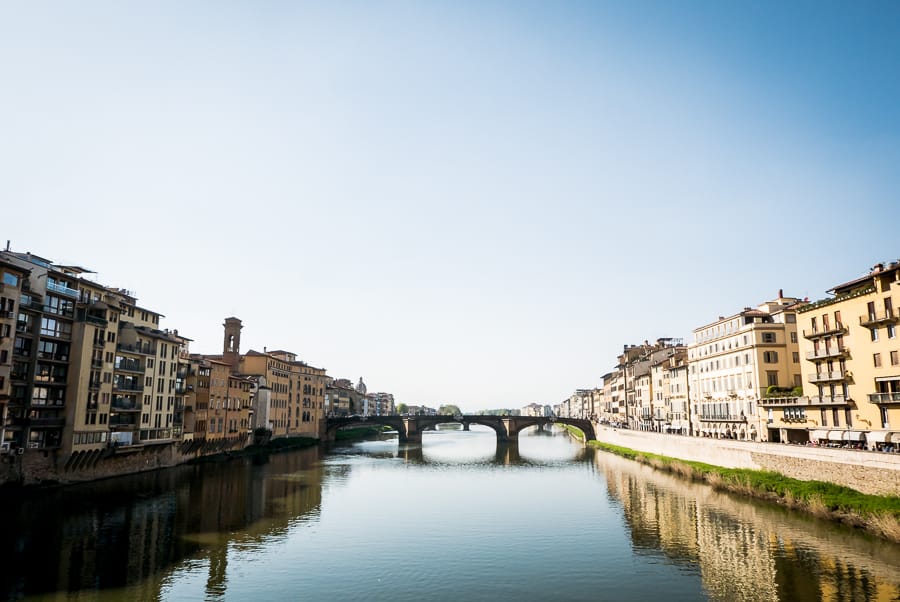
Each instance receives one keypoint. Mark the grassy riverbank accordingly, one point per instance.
(880, 515)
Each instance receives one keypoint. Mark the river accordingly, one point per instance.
(457, 518)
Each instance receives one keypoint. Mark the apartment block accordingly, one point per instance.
(669, 389)
(11, 280)
(851, 358)
(739, 361)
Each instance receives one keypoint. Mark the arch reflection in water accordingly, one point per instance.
(748, 550)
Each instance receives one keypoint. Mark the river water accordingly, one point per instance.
(457, 518)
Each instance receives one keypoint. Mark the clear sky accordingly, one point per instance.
(463, 202)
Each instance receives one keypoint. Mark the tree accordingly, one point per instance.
(449, 410)
(402, 408)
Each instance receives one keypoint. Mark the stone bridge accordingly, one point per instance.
(410, 428)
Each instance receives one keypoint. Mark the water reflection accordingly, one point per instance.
(126, 532)
(746, 550)
(234, 529)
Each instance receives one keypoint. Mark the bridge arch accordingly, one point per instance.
(410, 428)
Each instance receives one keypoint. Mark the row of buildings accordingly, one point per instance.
(86, 372)
(789, 370)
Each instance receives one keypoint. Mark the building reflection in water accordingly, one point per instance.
(127, 533)
(748, 550)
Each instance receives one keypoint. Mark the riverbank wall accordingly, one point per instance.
(49, 468)
(874, 473)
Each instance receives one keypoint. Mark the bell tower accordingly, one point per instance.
(231, 350)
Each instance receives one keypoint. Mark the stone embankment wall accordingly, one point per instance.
(869, 472)
(36, 468)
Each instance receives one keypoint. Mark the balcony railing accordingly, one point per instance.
(130, 367)
(125, 405)
(826, 353)
(723, 418)
(884, 397)
(143, 349)
(828, 400)
(838, 328)
(46, 422)
(61, 288)
(97, 320)
(126, 386)
(784, 401)
(824, 377)
(875, 318)
(123, 420)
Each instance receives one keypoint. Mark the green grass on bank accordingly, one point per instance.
(877, 514)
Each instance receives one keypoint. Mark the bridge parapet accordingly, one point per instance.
(410, 428)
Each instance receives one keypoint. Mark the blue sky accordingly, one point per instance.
(463, 202)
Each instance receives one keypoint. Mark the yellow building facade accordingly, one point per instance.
(851, 358)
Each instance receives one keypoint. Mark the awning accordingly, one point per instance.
(881, 379)
(855, 436)
(836, 435)
(880, 436)
(818, 434)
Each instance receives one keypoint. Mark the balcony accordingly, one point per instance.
(96, 320)
(828, 400)
(884, 398)
(783, 401)
(832, 351)
(875, 319)
(132, 387)
(130, 366)
(46, 422)
(125, 404)
(61, 288)
(838, 328)
(123, 421)
(94, 384)
(826, 377)
(142, 349)
(723, 418)
(49, 422)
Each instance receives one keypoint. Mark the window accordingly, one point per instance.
(891, 331)
(876, 359)
(824, 416)
(894, 358)
(834, 416)
(793, 337)
(847, 418)
(771, 357)
(790, 318)
(874, 334)
(10, 279)
(772, 378)
(795, 357)
(768, 337)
